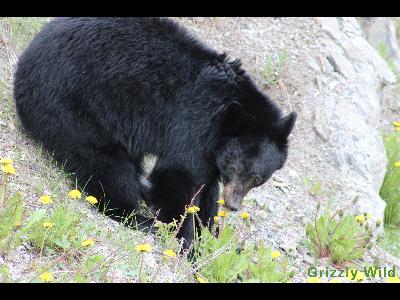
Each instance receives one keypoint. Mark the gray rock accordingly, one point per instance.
(341, 65)
(313, 64)
(262, 214)
(381, 34)
(348, 112)
(321, 125)
(289, 247)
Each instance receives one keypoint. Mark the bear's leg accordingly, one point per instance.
(208, 204)
(172, 190)
(113, 180)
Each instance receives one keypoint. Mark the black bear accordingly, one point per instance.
(100, 93)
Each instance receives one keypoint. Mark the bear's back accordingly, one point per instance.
(111, 75)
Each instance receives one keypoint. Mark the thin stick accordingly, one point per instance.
(185, 214)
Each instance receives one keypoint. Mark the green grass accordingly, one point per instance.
(383, 52)
(21, 29)
(274, 68)
(391, 241)
(60, 251)
(390, 190)
(16, 33)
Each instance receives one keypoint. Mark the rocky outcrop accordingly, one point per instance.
(381, 34)
(352, 111)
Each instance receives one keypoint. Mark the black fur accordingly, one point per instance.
(103, 92)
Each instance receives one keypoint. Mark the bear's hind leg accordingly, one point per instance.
(113, 180)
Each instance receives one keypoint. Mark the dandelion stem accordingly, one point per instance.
(41, 248)
(158, 270)
(194, 228)
(4, 192)
(222, 226)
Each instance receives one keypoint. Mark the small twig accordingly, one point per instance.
(186, 212)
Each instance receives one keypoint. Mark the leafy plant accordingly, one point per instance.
(263, 268)
(227, 266)
(64, 233)
(249, 264)
(339, 237)
(10, 222)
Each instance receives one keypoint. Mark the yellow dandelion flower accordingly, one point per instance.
(201, 279)
(221, 201)
(8, 169)
(6, 161)
(91, 199)
(335, 280)
(47, 225)
(169, 253)
(193, 209)
(275, 254)
(314, 280)
(143, 248)
(360, 218)
(75, 194)
(45, 199)
(46, 277)
(222, 213)
(245, 215)
(368, 216)
(378, 222)
(393, 280)
(396, 124)
(87, 243)
(397, 164)
(216, 219)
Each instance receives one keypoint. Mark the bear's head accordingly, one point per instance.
(250, 150)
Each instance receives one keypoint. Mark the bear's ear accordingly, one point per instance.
(233, 117)
(285, 125)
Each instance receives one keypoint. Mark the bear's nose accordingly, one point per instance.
(232, 169)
